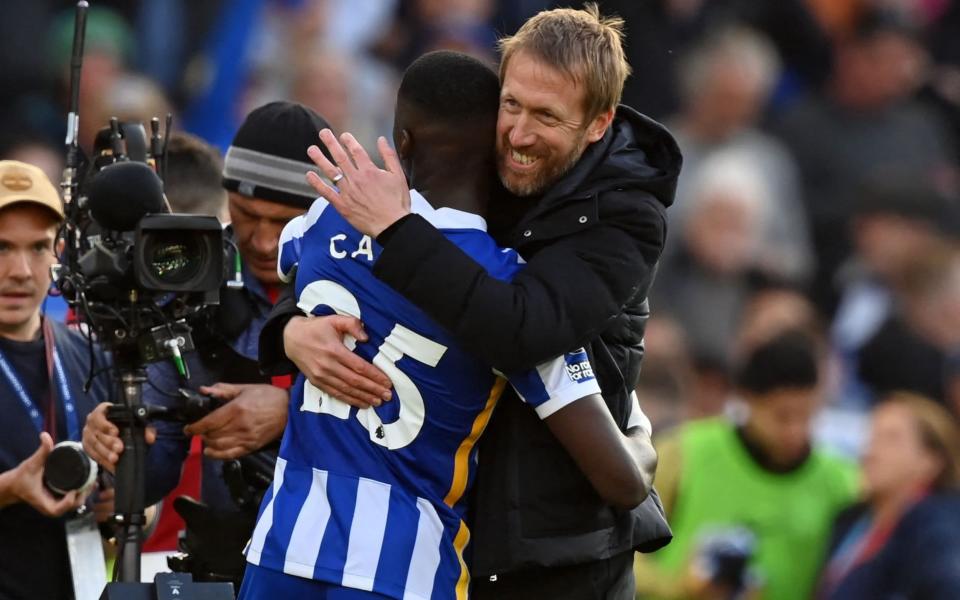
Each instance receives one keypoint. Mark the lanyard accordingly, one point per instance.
(54, 372)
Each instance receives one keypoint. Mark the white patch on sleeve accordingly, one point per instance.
(637, 417)
(566, 379)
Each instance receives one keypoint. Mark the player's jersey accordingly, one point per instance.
(374, 499)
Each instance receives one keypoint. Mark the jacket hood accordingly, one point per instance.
(636, 152)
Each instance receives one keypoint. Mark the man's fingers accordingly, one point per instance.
(358, 386)
(40, 455)
(211, 422)
(102, 454)
(98, 419)
(365, 376)
(227, 447)
(225, 454)
(224, 442)
(149, 434)
(223, 391)
(356, 152)
(338, 153)
(113, 444)
(345, 393)
(390, 158)
(322, 188)
(320, 159)
(55, 508)
(349, 325)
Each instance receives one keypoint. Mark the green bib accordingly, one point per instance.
(790, 514)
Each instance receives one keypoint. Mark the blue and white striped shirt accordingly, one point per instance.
(374, 499)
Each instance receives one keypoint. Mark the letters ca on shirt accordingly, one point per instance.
(364, 249)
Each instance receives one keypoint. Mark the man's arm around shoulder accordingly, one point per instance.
(566, 295)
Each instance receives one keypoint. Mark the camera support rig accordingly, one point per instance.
(134, 289)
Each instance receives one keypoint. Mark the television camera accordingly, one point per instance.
(139, 279)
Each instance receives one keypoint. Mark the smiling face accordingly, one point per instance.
(27, 234)
(257, 225)
(542, 126)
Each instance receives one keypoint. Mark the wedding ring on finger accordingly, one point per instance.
(336, 178)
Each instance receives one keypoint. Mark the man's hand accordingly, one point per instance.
(316, 346)
(101, 438)
(369, 198)
(24, 483)
(103, 508)
(254, 416)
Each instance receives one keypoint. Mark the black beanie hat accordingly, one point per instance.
(268, 157)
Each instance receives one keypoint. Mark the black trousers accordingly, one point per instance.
(610, 579)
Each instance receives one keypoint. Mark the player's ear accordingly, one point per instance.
(404, 144)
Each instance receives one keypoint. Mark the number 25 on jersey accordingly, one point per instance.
(401, 342)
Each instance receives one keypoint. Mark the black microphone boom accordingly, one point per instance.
(72, 166)
(122, 193)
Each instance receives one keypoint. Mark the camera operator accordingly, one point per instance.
(43, 369)
(192, 177)
(263, 174)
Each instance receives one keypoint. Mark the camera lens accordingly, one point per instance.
(174, 257)
(68, 468)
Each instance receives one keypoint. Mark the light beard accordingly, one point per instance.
(550, 176)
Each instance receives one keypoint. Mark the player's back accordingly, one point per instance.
(373, 499)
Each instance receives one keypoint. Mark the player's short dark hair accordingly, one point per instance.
(193, 182)
(450, 87)
(786, 361)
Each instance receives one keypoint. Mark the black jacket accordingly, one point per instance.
(591, 246)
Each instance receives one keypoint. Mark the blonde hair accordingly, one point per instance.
(938, 432)
(583, 44)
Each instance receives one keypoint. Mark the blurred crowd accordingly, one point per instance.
(819, 193)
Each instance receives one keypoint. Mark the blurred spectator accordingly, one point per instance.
(903, 542)
(675, 387)
(32, 148)
(864, 123)
(705, 284)
(220, 73)
(943, 40)
(838, 18)
(22, 72)
(896, 219)
(929, 288)
(425, 25)
(750, 502)
(131, 99)
(354, 93)
(664, 387)
(193, 177)
(725, 83)
(351, 26)
(108, 48)
(771, 310)
(659, 32)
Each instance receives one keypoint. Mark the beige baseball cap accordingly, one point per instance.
(22, 182)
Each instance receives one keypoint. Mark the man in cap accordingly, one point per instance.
(263, 175)
(43, 369)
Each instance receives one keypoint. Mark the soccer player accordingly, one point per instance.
(371, 503)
